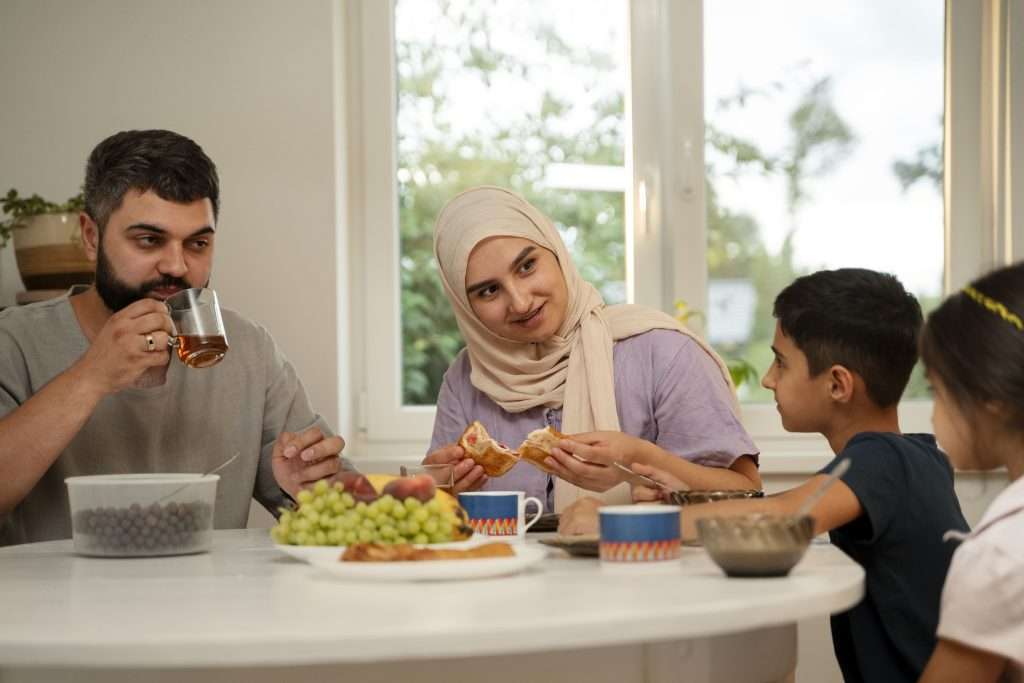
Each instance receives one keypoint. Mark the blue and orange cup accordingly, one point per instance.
(639, 533)
(499, 513)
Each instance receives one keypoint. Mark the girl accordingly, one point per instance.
(542, 348)
(973, 348)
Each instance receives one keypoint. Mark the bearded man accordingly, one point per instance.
(87, 382)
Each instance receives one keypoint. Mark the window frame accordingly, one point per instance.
(665, 216)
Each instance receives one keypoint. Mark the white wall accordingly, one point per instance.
(254, 83)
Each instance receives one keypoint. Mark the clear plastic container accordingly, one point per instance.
(142, 515)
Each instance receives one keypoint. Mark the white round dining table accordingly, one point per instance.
(246, 612)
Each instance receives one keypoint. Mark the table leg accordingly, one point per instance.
(766, 655)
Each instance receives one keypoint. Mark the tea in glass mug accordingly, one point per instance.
(199, 336)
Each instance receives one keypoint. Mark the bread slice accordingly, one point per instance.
(494, 457)
(538, 446)
(404, 552)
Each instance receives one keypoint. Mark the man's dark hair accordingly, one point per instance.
(171, 165)
(976, 349)
(860, 319)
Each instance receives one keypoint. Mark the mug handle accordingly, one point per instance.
(173, 339)
(540, 511)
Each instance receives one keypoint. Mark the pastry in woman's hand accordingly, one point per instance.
(496, 458)
(538, 445)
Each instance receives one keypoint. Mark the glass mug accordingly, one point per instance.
(199, 336)
(442, 474)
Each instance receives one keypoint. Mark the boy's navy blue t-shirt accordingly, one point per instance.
(905, 485)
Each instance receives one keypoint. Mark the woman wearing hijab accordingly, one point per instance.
(542, 348)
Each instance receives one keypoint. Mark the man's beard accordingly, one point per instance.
(116, 294)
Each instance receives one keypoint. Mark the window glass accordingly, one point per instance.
(527, 95)
(823, 150)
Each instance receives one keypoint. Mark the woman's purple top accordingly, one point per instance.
(667, 391)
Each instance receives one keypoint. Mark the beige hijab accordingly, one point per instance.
(572, 369)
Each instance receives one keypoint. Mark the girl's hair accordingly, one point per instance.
(974, 343)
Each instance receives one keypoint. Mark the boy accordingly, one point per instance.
(845, 344)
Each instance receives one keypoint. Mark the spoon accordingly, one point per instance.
(207, 473)
(812, 499)
(635, 477)
(641, 478)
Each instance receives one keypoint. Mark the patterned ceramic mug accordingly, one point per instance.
(499, 513)
(639, 533)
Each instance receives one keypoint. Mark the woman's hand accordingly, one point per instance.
(466, 475)
(604, 448)
(590, 476)
(580, 518)
(585, 459)
(646, 494)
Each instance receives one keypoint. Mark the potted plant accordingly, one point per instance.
(47, 240)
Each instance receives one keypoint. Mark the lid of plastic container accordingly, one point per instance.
(152, 478)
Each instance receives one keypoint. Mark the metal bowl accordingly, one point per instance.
(756, 545)
(697, 497)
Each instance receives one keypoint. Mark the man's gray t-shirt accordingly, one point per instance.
(197, 419)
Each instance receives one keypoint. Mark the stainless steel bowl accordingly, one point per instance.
(697, 497)
(756, 545)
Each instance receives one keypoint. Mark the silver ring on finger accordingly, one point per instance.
(150, 343)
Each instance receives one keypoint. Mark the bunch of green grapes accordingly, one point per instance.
(330, 515)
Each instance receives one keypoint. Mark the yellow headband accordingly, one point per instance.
(994, 306)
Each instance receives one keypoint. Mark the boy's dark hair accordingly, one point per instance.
(171, 165)
(860, 319)
(977, 352)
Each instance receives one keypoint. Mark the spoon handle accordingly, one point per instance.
(224, 464)
(636, 477)
(811, 500)
(207, 473)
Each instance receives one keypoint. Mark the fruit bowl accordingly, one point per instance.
(142, 515)
(352, 510)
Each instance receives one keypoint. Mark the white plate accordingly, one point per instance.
(434, 570)
(320, 554)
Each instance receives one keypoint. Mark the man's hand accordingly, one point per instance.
(580, 518)
(121, 353)
(467, 475)
(646, 494)
(302, 459)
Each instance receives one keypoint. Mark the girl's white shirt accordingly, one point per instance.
(983, 598)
